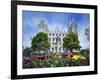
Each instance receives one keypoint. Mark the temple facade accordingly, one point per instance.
(56, 41)
(56, 37)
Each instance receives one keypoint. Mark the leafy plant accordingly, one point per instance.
(71, 41)
(40, 41)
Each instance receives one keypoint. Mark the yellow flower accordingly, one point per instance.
(83, 58)
(75, 57)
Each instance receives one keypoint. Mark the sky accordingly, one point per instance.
(54, 21)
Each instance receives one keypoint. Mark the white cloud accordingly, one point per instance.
(51, 26)
(82, 37)
(57, 27)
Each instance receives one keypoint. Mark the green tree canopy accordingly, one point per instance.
(27, 51)
(71, 41)
(40, 41)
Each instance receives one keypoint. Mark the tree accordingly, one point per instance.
(27, 51)
(71, 41)
(40, 41)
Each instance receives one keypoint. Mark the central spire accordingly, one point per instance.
(43, 26)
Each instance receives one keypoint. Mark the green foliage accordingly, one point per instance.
(57, 60)
(71, 41)
(40, 41)
(53, 61)
(38, 54)
(84, 51)
(27, 51)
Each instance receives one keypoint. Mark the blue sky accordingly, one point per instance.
(54, 20)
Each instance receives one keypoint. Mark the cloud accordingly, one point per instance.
(82, 37)
(57, 27)
(30, 29)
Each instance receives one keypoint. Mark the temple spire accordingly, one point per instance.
(43, 26)
(73, 26)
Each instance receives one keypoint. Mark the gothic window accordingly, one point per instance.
(63, 34)
(59, 34)
(49, 34)
(56, 48)
(53, 34)
(59, 39)
(56, 34)
(59, 43)
(52, 49)
(53, 39)
(59, 49)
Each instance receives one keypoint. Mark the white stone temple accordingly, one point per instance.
(56, 37)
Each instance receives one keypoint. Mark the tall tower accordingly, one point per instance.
(73, 27)
(43, 26)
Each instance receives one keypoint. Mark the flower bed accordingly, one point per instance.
(74, 56)
(58, 60)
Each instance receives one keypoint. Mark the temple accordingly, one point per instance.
(56, 37)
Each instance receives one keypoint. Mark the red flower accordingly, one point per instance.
(39, 57)
(71, 55)
(66, 54)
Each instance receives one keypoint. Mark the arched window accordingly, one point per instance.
(59, 39)
(49, 34)
(52, 49)
(59, 43)
(53, 39)
(59, 49)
